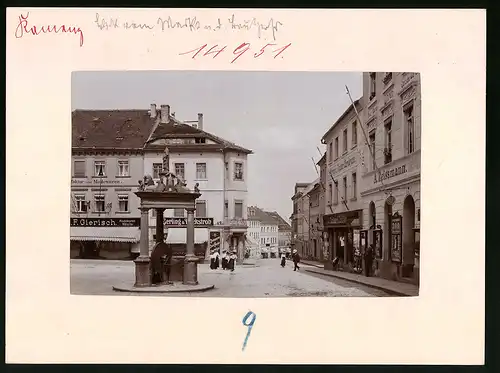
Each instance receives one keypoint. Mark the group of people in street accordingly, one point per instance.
(295, 258)
(227, 261)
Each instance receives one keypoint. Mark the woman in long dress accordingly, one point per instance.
(232, 260)
(283, 259)
(216, 259)
(225, 259)
(212, 260)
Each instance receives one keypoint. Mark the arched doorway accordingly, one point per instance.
(408, 236)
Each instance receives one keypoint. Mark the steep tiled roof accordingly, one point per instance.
(126, 129)
(176, 128)
(282, 223)
(261, 215)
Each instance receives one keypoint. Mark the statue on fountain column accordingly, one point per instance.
(166, 161)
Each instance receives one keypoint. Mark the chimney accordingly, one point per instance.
(200, 121)
(153, 111)
(165, 114)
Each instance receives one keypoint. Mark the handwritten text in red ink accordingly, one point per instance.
(23, 29)
(205, 50)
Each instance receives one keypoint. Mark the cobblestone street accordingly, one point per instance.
(266, 279)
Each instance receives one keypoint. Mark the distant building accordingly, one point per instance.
(253, 233)
(300, 218)
(314, 248)
(269, 231)
(284, 233)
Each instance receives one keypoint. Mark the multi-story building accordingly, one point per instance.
(253, 233)
(284, 233)
(107, 162)
(322, 207)
(343, 219)
(391, 179)
(219, 169)
(269, 233)
(314, 249)
(118, 147)
(300, 219)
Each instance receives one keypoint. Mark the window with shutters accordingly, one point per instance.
(201, 209)
(79, 169)
(238, 209)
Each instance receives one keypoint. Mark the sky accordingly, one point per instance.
(280, 116)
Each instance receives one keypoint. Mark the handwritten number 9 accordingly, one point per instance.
(249, 325)
(242, 48)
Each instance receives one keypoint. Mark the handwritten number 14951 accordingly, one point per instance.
(215, 50)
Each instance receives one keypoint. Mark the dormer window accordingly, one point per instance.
(201, 140)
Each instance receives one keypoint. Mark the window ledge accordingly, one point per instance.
(122, 212)
(238, 180)
(99, 177)
(200, 179)
(79, 177)
(123, 177)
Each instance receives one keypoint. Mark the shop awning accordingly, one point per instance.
(178, 235)
(110, 234)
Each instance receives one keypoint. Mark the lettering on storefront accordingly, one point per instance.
(96, 181)
(388, 174)
(344, 165)
(182, 222)
(104, 222)
(349, 218)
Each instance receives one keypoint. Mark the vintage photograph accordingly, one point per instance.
(245, 184)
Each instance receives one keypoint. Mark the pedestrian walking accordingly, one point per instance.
(225, 260)
(232, 260)
(296, 260)
(283, 259)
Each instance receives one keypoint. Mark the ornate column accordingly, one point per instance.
(160, 233)
(190, 261)
(142, 273)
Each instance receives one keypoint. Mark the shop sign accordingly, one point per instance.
(96, 181)
(396, 238)
(388, 174)
(377, 237)
(104, 222)
(351, 218)
(344, 165)
(182, 222)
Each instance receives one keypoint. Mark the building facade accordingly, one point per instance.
(314, 250)
(106, 163)
(253, 234)
(216, 166)
(322, 207)
(343, 219)
(391, 180)
(284, 233)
